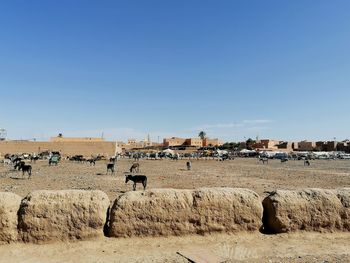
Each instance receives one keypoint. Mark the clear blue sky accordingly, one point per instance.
(277, 69)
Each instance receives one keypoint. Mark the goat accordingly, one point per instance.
(306, 163)
(135, 168)
(136, 179)
(110, 167)
(284, 160)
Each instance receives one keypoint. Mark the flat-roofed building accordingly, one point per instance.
(306, 146)
(212, 142)
(193, 142)
(285, 146)
(173, 141)
(196, 142)
(266, 144)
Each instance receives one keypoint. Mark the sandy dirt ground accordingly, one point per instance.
(245, 247)
(246, 173)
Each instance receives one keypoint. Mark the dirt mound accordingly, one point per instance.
(9, 205)
(344, 197)
(177, 212)
(62, 215)
(306, 209)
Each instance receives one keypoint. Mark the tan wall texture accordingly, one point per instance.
(76, 139)
(66, 148)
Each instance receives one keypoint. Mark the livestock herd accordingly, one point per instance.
(24, 162)
(18, 163)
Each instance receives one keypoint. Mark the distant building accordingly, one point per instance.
(212, 142)
(196, 142)
(192, 142)
(131, 141)
(286, 146)
(266, 144)
(134, 144)
(306, 146)
(173, 141)
(343, 146)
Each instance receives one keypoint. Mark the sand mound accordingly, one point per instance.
(178, 212)
(307, 209)
(9, 205)
(62, 215)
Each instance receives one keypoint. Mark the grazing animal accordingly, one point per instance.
(77, 158)
(306, 163)
(18, 165)
(264, 160)
(110, 167)
(135, 168)
(91, 161)
(136, 157)
(284, 160)
(34, 158)
(189, 165)
(26, 169)
(175, 157)
(136, 179)
(16, 160)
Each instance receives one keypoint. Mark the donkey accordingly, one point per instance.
(34, 158)
(26, 169)
(110, 167)
(189, 165)
(263, 160)
(92, 161)
(136, 179)
(135, 168)
(18, 165)
(15, 160)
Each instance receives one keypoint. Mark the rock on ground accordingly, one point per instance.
(62, 215)
(9, 206)
(162, 212)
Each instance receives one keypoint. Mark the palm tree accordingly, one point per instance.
(202, 135)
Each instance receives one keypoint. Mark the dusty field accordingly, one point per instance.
(247, 173)
(255, 248)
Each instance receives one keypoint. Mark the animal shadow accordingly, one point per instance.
(18, 178)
